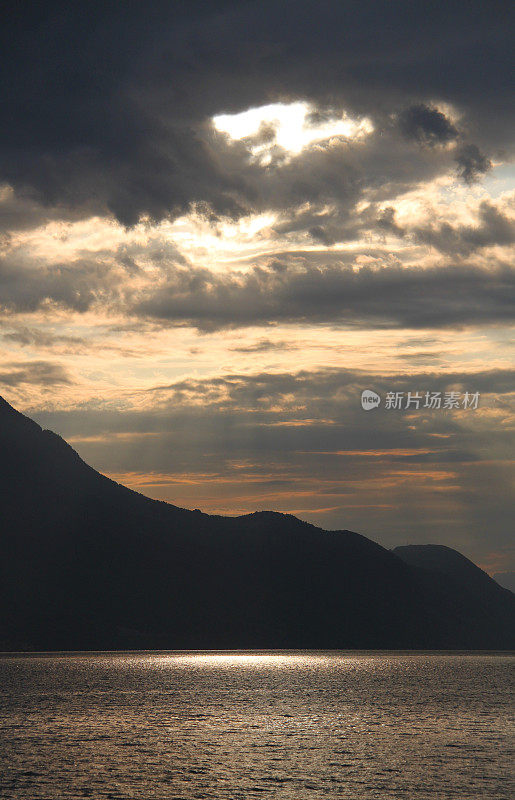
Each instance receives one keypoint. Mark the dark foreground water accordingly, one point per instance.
(253, 725)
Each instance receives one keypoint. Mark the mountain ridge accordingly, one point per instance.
(86, 563)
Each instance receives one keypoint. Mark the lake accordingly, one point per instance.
(289, 725)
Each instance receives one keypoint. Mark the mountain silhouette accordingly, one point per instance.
(86, 563)
(447, 562)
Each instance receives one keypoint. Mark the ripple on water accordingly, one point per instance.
(247, 725)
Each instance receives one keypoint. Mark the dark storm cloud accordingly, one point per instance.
(105, 105)
(472, 163)
(286, 289)
(427, 125)
(389, 295)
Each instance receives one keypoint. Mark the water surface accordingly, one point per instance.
(289, 725)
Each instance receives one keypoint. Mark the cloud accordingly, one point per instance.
(29, 282)
(108, 111)
(40, 373)
(472, 163)
(301, 442)
(264, 346)
(149, 280)
(303, 423)
(26, 285)
(306, 390)
(293, 287)
(335, 294)
(427, 125)
(108, 122)
(494, 227)
(20, 212)
(31, 337)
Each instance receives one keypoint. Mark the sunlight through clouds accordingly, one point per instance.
(185, 261)
(290, 126)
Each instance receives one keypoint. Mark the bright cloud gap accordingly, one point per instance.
(290, 126)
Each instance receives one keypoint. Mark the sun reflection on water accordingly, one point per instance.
(250, 659)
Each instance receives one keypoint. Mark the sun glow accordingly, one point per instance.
(290, 126)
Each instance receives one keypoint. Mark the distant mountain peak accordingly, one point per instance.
(446, 561)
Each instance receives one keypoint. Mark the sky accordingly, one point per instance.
(221, 223)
